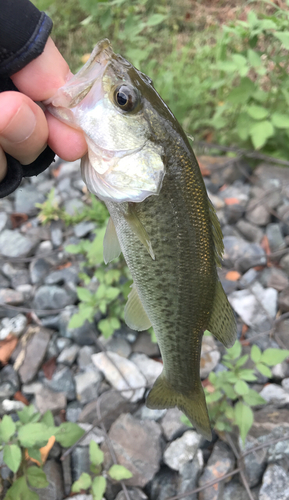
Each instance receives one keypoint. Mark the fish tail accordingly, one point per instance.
(163, 395)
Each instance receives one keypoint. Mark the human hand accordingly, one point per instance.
(25, 129)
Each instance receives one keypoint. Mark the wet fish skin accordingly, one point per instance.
(176, 277)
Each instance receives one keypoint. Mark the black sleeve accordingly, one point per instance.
(24, 31)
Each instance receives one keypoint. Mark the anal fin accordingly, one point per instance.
(111, 247)
(134, 314)
(222, 322)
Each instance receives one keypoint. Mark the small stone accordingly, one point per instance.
(283, 300)
(172, 425)
(247, 304)
(15, 325)
(62, 381)
(3, 221)
(68, 169)
(93, 433)
(81, 496)
(56, 233)
(63, 276)
(14, 244)
(9, 382)
(63, 343)
(182, 450)
(68, 355)
(210, 356)
(137, 447)
(235, 491)
(25, 199)
(145, 345)
(275, 484)
(39, 268)
(44, 248)
(148, 367)
(84, 357)
(268, 419)
(84, 335)
(280, 371)
(11, 297)
(285, 384)
(50, 400)
(107, 362)
(145, 413)
(26, 290)
(34, 354)
(164, 484)
(87, 384)
(32, 388)
(257, 213)
(272, 277)
(254, 463)
(189, 475)
(55, 489)
(275, 237)
(74, 206)
(220, 463)
(4, 283)
(241, 254)
(73, 411)
(52, 297)
(250, 231)
(248, 278)
(133, 493)
(83, 228)
(8, 406)
(118, 345)
(79, 461)
(284, 264)
(274, 393)
(17, 274)
(111, 405)
(216, 200)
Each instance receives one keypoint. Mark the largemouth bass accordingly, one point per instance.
(141, 165)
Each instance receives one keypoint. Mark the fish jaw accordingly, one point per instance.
(122, 164)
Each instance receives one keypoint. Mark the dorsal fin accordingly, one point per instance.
(222, 322)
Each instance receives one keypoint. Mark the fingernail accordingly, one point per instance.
(21, 126)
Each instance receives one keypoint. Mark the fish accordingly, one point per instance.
(141, 165)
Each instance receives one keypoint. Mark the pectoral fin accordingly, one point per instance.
(111, 247)
(134, 314)
(139, 230)
(222, 321)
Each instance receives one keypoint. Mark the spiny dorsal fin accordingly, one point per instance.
(222, 322)
(134, 314)
(111, 247)
(217, 234)
(139, 230)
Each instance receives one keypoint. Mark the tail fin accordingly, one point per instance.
(162, 395)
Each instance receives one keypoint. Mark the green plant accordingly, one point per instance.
(95, 482)
(22, 441)
(229, 396)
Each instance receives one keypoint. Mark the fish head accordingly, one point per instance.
(109, 100)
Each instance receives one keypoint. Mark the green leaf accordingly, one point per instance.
(33, 434)
(274, 356)
(244, 418)
(35, 453)
(231, 377)
(68, 433)
(12, 456)
(36, 477)
(279, 120)
(83, 483)
(48, 419)
(26, 414)
(242, 361)
(213, 397)
(264, 370)
(241, 387)
(7, 428)
(96, 456)
(108, 325)
(257, 112)
(155, 19)
(260, 132)
(254, 58)
(229, 391)
(283, 37)
(84, 294)
(234, 351)
(119, 472)
(98, 487)
(253, 398)
(247, 374)
(20, 491)
(256, 353)
(241, 94)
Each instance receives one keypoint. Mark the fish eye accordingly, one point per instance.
(125, 97)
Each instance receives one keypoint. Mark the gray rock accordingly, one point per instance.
(121, 374)
(68, 355)
(32, 388)
(250, 231)
(15, 325)
(280, 371)
(284, 264)
(283, 300)
(272, 277)
(216, 200)
(133, 493)
(148, 367)
(81, 496)
(62, 381)
(275, 237)
(87, 385)
(44, 248)
(275, 394)
(247, 304)
(275, 484)
(56, 233)
(16, 273)
(257, 213)
(145, 413)
(50, 400)
(254, 463)
(210, 356)
(172, 425)
(55, 489)
(117, 344)
(111, 405)
(84, 335)
(8, 406)
(34, 354)
(285, 384)
(3, 221)
(68, 169)
(235, 491)
(145, 345)
(164, 485)
(63, 276)
(4, 283)
(79, 461)
(189, 475)
(93, 433)
(63, 343)
(39, 268)
(248, 278)
(234, 212)
(83, 228)
(73, 411)
(52, 297)
(241, 254)
(137, 447)
(9, 382)
(220, 462)
(182, 450)
(84, 357)
(26, 290)
(25, 199)
(74, 206)
(11, 297)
